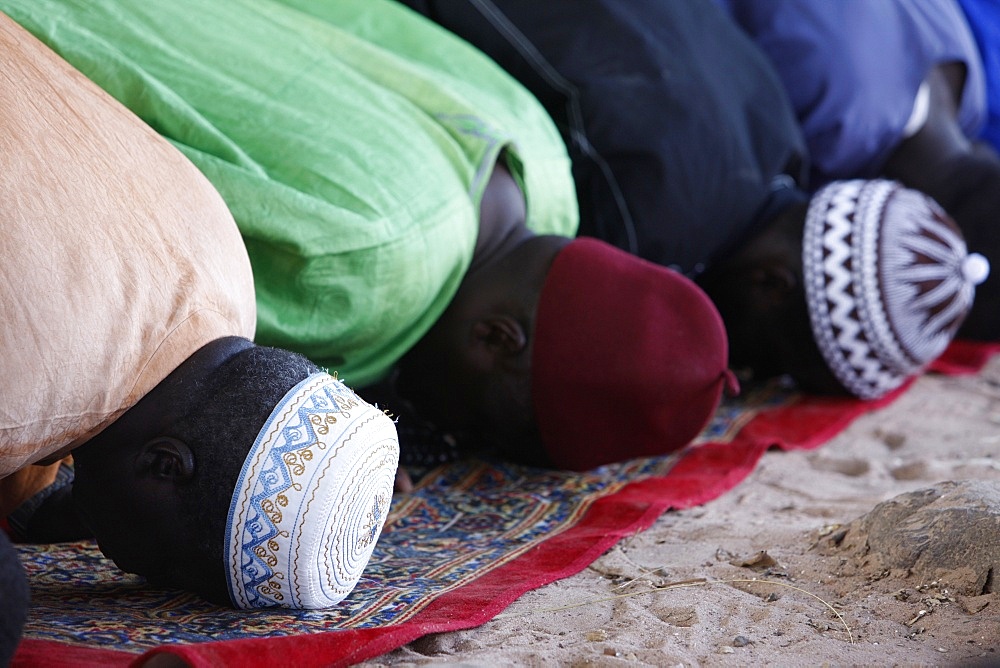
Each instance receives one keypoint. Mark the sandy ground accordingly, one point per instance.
(683, 593)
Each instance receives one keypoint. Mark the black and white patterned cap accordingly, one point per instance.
(888, 281)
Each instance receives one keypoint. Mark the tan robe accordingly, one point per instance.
(118, 260)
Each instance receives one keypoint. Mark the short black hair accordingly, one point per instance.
(14, 597)
(237, 397)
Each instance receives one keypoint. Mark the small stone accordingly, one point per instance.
(893, 440)
(909, 471)
(973, 604)
(760, 561)
(741, 641)
(727, 650)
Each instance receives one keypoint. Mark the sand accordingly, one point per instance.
(782, 569)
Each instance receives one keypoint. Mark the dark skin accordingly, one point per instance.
(57, 519)
(130, 476)
(470, 374)
(760, 294)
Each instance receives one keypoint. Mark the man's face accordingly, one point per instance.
(514, 433)
(489, 408)
(131, 516)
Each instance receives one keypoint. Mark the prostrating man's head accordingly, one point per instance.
(856, 292)
(572, 354)
(248, 476)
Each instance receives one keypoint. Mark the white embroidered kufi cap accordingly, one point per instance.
(311, 499)
(888, 282)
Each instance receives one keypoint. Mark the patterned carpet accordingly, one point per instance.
(466, 520)
(472, 538)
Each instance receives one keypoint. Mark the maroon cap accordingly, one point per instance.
(629, 360)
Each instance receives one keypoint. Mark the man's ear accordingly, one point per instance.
(499, 335)
(167, 458)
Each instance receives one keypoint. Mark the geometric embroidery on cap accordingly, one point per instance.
(926, 291)
(870, 248)
(311, 499)
(833, 268)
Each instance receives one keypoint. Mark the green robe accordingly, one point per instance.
(351, 140)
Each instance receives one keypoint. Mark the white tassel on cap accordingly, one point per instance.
(976, 268)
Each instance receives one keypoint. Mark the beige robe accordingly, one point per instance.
(119, 260)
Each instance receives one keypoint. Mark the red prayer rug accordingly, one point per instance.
(472, 538)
